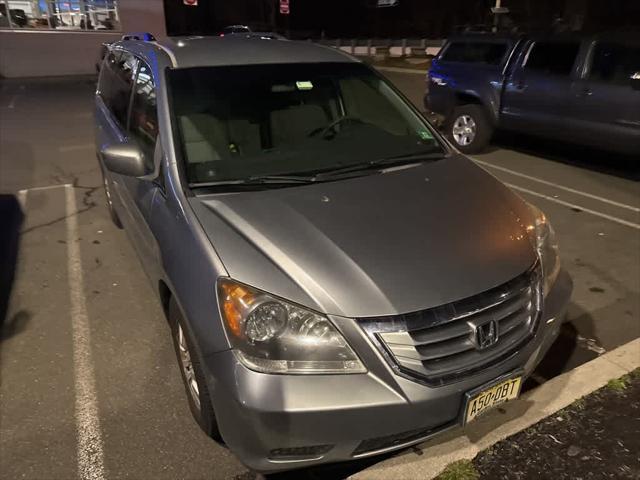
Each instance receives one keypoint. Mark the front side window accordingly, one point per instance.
(614, 63)
(119, 79)
(242, 121)
(106, 78)
(60, 14)
(555, 58)
(143, 123)
(488, 53)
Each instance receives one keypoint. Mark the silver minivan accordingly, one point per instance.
(340, 282)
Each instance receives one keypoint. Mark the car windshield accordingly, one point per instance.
(239, 122)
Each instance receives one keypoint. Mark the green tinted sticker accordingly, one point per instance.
(425, 135)
(306, 85)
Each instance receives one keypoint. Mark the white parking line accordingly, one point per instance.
(573, 205)
(560, 187)
(48, 187)
(90, 456)
(73, 148)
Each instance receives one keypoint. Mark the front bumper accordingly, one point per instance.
(280, 422)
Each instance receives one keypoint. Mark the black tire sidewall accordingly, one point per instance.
(204, 416)
(484, 130)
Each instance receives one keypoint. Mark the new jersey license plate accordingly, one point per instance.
(483, 401)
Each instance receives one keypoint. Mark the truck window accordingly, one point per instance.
(488, 53)
(614, 63)
(555, 58)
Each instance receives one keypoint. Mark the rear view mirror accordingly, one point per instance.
(635, 81)
(125, 159)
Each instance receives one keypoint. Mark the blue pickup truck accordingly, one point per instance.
(580, 89)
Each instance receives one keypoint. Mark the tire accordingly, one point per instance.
(192, 376)
(469, 129)
(112, 211)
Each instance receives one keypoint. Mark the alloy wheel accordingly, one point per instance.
(464, 130)
(187, 368)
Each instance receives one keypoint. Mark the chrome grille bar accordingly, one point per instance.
(440, 344)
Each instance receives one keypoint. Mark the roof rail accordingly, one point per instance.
(139, 36)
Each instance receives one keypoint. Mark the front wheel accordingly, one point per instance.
(192, 374)
(470, 130)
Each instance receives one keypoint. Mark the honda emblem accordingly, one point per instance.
(484, 335)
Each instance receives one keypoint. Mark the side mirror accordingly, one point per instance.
(125, 159)
(635, 81)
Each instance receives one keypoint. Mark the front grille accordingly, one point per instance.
(443, 344)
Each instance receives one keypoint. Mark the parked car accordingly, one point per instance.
(584, 90)
(339, 281)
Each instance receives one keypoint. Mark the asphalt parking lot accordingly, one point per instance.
(85, 337)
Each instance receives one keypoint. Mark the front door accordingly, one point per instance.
(128, 115)
(138, 193)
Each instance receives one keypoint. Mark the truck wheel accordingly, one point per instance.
(469, 129)
(192, 374)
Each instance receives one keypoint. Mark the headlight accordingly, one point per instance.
(271, 335)
(543, 238)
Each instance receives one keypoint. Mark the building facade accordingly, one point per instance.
(63, 37)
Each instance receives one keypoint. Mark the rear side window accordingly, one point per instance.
(555, 58)
(475, 52)
(116, 82)
(144, 115)
(614, 63)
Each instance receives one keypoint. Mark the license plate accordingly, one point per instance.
(483, 401)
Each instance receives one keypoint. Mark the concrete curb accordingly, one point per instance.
(402, 70)
(429, 459)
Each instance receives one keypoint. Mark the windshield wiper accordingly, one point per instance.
(379, 164)
(259, 180)
(319, 176)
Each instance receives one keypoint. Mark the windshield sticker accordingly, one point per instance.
(306, 85)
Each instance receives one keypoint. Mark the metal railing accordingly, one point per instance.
(404, 47)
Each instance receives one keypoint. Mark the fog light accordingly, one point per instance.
(299, 453)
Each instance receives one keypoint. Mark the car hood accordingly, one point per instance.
(405, 240)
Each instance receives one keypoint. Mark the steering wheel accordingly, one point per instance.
(323, 131)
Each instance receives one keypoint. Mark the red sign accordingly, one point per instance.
(284, 7)
(191, 3)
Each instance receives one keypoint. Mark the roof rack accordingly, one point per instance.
(139, 36)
